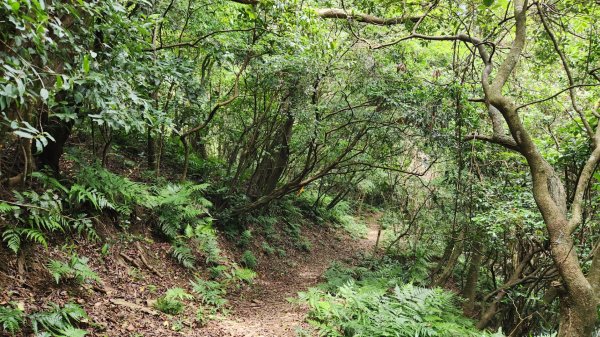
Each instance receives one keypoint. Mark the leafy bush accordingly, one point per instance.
(33, 215)
(183, 214)
(59, 322)
(75, 269)
(249, 260)
(11, 319)
(217, 272)
(171, 302)
(374, 299)
(342, 216)
(305, 244)
(183, 254)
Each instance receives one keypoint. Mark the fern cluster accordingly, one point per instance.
(374, 302)
(56, 321)
(121, 192)
(59, 321)
(171, 302)
(75, 269)
(57, 209)
(211, 294)
(180, 212)
(11, 319)
(183, 216)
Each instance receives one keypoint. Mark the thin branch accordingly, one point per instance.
(198, 40)
(337, 13)
(556, 94)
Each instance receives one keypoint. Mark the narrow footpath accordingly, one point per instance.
(265, 311)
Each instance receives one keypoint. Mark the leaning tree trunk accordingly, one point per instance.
(578, 303)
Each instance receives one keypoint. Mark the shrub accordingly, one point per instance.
(405, 311)
(244, 275)
(267, 248)
(375, 301)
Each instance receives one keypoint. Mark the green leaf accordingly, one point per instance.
(23, 134)
(86, 64)
(44, 94)
(488, 2)
(14, 5)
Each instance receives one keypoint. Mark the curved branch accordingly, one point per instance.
(555, 95)
(506, 142)
(336, 13)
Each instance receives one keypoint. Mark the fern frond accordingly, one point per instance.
(6, 208)
(12, 239)
(34, 235)
(59, 321)
(11, 319)
(184, 255)
(178, 294)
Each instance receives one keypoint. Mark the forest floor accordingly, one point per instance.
(137, 270)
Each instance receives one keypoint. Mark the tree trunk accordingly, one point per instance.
(150, 149)
(186, 157)
(51, 154)
(452, 260)
(470, 289)
(578, 303)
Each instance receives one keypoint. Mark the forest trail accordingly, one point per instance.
(266, 312)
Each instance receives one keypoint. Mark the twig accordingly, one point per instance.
(130, 260)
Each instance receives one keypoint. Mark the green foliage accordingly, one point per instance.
(183, 254)
(76, 269)
(59, 321)
(245, 238)
(11, 318)
(375, 311)
(305, 244)
(244, 275)
(183, 214)
(249, 260)
(217, 272)
(171, 302)
(373, 299)
(56, 209)
(120, 192)
(342, 216)
(210, 293)
(267, 248)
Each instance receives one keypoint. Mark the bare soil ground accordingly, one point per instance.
(121, 306)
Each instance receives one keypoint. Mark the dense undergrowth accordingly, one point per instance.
(376, 298)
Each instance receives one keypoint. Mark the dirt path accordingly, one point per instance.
(265, 310)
